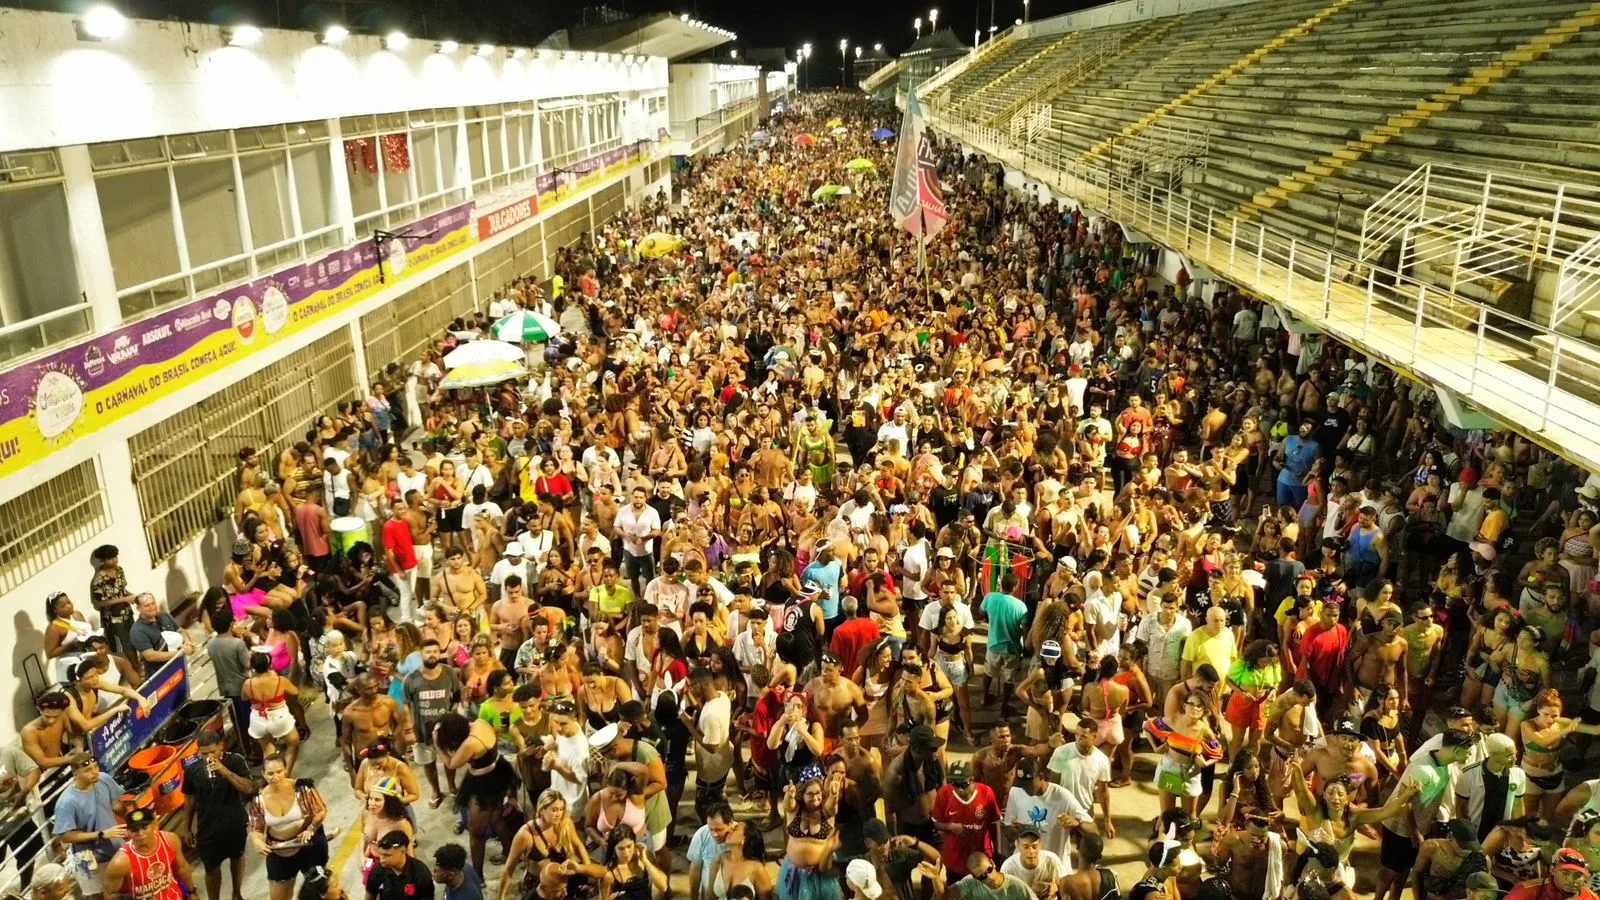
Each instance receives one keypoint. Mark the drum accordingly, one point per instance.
(347, 532)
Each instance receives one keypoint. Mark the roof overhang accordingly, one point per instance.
(661, 34)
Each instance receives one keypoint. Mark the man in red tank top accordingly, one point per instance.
(150, 866)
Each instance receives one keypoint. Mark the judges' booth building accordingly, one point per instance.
(210, 237)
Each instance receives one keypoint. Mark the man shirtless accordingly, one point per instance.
(1248, 849)
(422, 525)
(459, 587)
(604, 510)
(835, 700)
(1091, 881)
(1341, 757)
(996, 764)
(588, 578)
(773, 469)
(1285, 732)
(507, 620)
(1424, 637)
(1377, 660)
(48, 740)
(1204, 681)
(368, 717)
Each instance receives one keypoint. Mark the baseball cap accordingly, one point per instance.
(921, 736)
(143, 817)
(960, 770)
(50, 874)
(864, 878)
(1346, 727)
(1027, 768)
(1069, 563)
(1568, 858)
(394, 840)
(875, 830)
(1050, 650)
(603, 736)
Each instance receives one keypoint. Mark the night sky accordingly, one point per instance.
(759, 23)
(824, 22)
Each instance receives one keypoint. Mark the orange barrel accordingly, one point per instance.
(161, 764)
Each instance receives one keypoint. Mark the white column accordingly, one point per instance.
(91, 253)
(122, 502)
(343, 212)
(363, 378)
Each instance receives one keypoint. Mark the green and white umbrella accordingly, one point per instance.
(525, 327)
(473, 352)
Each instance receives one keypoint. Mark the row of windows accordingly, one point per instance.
(186, 215)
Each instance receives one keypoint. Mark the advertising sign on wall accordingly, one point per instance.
(116, 740)
(47, 403)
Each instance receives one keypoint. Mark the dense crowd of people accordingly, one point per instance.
(910, 562)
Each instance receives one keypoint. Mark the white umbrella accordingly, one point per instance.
(474, 352)
(524, 327)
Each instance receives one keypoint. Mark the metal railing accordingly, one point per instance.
(1578, 287)
(882, 76)
(202, 686)
(1527, 375)
(1085, 63)
(1562, 218)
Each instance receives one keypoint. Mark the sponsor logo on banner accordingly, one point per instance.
(80, 388)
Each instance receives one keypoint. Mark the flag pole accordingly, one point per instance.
(922, 255)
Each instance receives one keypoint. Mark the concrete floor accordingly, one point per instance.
(1135, 808)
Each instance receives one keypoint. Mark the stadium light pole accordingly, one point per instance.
(805, 54)
(933, 20)
(916, 25)
(844, 62)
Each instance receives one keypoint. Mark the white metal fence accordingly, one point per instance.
(1529, 376)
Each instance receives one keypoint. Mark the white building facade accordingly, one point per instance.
(204, 246)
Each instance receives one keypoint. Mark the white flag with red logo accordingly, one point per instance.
(915, 200)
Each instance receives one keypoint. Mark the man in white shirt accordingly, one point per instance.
(501, 306)
(1077, 386)
(1426, 786)
(1033, 865)
(668, 593)
(1101, 613)
(1038, 805)
(474, 473)
(895, 429)
(949, 598)
(1244, 324)
(1085, 771)
(1163, 635)
(755, 645)
(512, 563)
(914, 564)
(710, 728)
(638, 524)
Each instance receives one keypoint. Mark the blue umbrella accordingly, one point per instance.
(882, 133)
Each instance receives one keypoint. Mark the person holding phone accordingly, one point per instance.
(217, 784)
